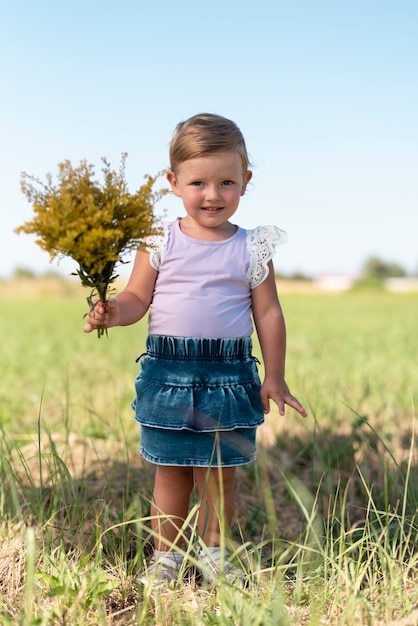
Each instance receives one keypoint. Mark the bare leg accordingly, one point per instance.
(170, 506)
(215, 490)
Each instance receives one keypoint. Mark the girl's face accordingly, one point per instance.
(211, 188)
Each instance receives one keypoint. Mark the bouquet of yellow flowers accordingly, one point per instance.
(96, 224)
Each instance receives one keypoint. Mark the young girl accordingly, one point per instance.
(199, 398)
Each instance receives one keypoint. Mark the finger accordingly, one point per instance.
(99, 309)
(110, 306)
(94, 319)
(266, 406)
(97, 314)
(281, 406)
(280, 403)
(295, 404)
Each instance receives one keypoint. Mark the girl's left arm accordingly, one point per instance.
(271, 331)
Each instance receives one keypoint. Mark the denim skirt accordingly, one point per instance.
(198, 401)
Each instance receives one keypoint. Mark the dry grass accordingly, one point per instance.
(12, 563)
(105, 478)
(100, 472)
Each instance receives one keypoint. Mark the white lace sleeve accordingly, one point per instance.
(261, 243)
(156, 245)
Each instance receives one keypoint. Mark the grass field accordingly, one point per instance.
(327, 515)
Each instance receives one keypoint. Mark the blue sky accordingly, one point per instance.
(326, 94)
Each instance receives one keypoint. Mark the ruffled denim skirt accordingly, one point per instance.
(198, 401)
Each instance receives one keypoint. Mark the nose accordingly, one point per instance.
(212, 192)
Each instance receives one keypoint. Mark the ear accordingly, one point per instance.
(248, 176)
(171, 177)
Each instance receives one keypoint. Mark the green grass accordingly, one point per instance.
(81, 379)
(327, 516)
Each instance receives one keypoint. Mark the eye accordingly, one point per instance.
(226, 183)
(197, 183)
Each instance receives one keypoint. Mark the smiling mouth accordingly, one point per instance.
(211, 209)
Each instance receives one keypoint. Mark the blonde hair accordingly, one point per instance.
(205, 134)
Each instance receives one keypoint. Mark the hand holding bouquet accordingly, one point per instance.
(96, 224)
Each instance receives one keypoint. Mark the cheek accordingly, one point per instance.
(233, 196)
(190, 196)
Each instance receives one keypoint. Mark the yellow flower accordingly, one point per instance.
(96, 224)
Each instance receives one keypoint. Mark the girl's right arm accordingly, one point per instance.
(131, 304)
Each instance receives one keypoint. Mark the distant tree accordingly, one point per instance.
(294, 276)
(376, 268)
(299, 276)
(53, 274)
(23, 272)
(396, 271)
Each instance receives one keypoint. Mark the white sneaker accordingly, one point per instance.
(163, 568)
(216, 564)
